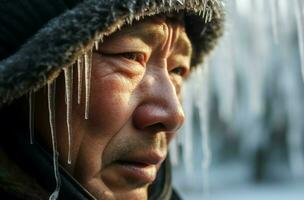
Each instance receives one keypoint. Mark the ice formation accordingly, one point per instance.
(52, 121)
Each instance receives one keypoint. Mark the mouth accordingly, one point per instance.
(139, 168)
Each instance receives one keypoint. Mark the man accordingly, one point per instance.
(113, 141)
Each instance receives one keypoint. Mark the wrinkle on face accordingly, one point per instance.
(123, 92)
(154, 32)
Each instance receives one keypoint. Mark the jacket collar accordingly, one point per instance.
(28, 171)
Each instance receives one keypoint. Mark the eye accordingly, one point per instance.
(130, 56)
(133, 56)
(181, 71)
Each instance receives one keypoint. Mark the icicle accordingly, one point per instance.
(51, 106)
(300, 20)
(180, 1)
(274, 19)
(205, 8)
(294, 115)
(188, 128)
(204, 117)
(218, 5)
(31, 115)
(128, 21)
(88, 68)
(68, 74)
(80, 77)
(210, 15)
(207, 16)
(206, 153)
(96, 45)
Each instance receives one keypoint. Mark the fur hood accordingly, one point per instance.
(68, 33)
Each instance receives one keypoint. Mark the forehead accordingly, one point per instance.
(152, 29)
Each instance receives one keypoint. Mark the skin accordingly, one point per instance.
(135, 108)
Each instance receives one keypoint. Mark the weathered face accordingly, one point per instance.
(135, 110)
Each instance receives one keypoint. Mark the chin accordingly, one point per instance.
(101, 191)
(137, 194)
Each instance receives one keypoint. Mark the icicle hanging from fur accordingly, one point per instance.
(300, 25)
(80, 77)
(96, 45)
(204, 111)
(88, 70)
(68, 74)
(52, 121)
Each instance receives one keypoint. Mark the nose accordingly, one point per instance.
(160, 108)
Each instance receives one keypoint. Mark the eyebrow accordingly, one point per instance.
(148, 35)
(184, 45)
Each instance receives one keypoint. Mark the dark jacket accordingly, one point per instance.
(26, 173)
(38, 38)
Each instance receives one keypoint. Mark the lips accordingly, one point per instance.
(145, 158)
(140, 168)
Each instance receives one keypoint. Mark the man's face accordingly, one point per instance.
(135, 110)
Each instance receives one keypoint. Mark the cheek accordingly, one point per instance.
(110, 109)
(112, 99)
(112, 102)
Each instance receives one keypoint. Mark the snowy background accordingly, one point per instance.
(244, 134)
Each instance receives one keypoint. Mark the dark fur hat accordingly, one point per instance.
(58, 39)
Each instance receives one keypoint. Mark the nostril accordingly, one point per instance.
(157, 118)
(145, 118)
(157, 127)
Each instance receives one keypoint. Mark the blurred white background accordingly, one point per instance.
(244, 134)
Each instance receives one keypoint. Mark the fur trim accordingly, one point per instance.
(69, 35)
